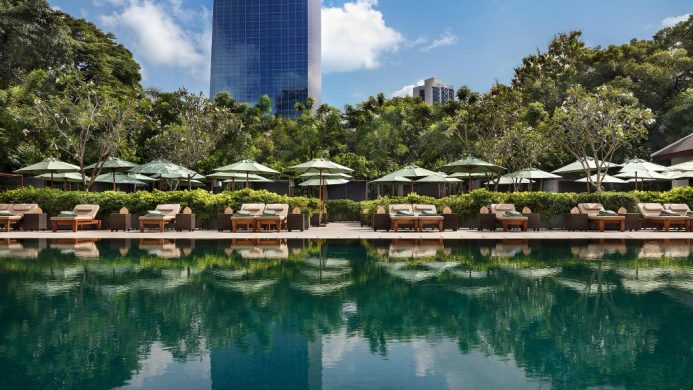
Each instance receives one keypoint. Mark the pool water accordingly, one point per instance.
(160, 314)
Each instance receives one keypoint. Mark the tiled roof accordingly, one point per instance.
(682, 147)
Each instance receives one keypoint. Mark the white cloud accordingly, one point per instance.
(159, 35)
(673, 20)
(446, 39)
(355, 36)
(406, 90)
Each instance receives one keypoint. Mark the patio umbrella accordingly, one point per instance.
(159, 167)
(471, 165)
(606, 179)
(505, 180)
(247, 167)
(533, 174)
(673, 174)
(440, 178)
(642, 175)
(413, 173)
(253, 179)
(322, 167)
(576, 166)
(325, 181)
(637, 168)
(50, 166)
(112, 165)
(230, 177)
(684, 166)
(66, 177)
(119, 178)
(312, 175)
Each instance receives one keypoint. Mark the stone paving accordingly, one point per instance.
(354, 231)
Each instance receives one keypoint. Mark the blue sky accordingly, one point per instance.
(372, 46)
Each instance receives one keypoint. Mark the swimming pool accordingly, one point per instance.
(357, 314)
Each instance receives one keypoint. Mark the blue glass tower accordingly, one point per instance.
(267, 47)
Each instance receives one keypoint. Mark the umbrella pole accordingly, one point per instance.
(114, 186)
(469, 189)
(247, 179)
(636, 181)
(51, 179)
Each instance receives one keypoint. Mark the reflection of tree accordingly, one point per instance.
(94, 329)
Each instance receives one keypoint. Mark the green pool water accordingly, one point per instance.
(159, 314)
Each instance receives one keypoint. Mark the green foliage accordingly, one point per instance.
(204, 204)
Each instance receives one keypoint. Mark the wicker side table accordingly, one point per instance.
(117, 221)
(35, 222)
(451, 221)
(224, 222)
(185, 222)
(486, 221)
(296, 222)
(533, 221)
(381, 222)
(575, 222)
(632, 221)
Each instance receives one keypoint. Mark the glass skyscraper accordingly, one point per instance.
(267, 47)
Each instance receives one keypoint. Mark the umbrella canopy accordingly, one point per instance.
(672, 174)
(253, 179)
(312, 175)
(640, 165)
(159, 167)
(328, 182)
(181, 176)
(140, 177)
(532, 173)
(391, 179)
(65, 177)
(247, 167)
(320, 165)
(413, 172)
(605, 179)
(119, 178)
(576, 166)
(471, 165)
(233, 175)
(684, 166)
(48, 165)
(650, 175)
(111, 164)
(506, 180)
(439, 177)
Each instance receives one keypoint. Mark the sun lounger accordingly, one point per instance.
(652, 213)
(427, 215)
(81, 215)
(593, 210)
(508, 221)
(164, 214)
(247, 216)
(17, 212)
(402, 214)
(278, 220)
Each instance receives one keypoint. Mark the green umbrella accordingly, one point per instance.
(532, 173)
(159, 167)
(50, 166)
(247, 167)
(112, 165)
(684, 166)
(605, 179)
(577, 167)
(413, 173)
(637, 168)
(642, 176)
(439, 177)
(312, 175)
(230, 177)
(65, 177)
(471, 165)
(322, 167)
(119, 178)
(325, 181)
(141, 177)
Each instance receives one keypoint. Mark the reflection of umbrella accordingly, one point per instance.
(49, 165)
(471, 165)
(321, 166)
(532, 174)
(112, 165)
(247, 167)
(605, 179)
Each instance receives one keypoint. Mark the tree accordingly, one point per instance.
(598, 124)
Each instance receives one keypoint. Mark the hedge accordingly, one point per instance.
(207, 205)
(204, 204)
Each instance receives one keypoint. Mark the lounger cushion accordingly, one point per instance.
(68, 214)
(269, 213)
(5, 213)
(242, 213)
(428, 213)
(505, 207)
(512, 213)
(607, 213)
(680, 207)
(404, 213)
(592, 206)
(652, 207)
(668, 213)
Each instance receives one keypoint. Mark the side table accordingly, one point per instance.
(533, 221)
(486, 221)
(185, 222)
(118, 221)
(632, 221)
(296, 222)
(35, 222)
(451, 221)
(224, 222)
(381, 222)
(575, 222)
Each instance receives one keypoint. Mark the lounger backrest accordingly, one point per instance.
(255, 209)
(282, 210)
(393, 209)
(24, 208)
(500, 208)
(420, 208)
(680, 208)
(86, 210)
(650, 209)
(590, 208)
(169, 210)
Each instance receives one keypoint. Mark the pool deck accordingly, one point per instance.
(353, 230)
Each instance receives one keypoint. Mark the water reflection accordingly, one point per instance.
(313, 314)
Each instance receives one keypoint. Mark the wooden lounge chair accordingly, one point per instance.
(84, 214)
(681, 209)
(277, 221)
(427, 215)
(253, 210)
(592, 211)
(402, 214)
(18, 211)
(652, 213)
(508, 222)
(167, 216)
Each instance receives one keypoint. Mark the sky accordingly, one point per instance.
(373, 46)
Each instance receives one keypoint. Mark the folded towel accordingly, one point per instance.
(269, 213)
(154, 213)
(512, 213)
(242, 213)
(428, 212)
(67, 214)
(668, 213)
(404, 213)
(607, 213)
(5, 213)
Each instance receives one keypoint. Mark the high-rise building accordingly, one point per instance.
(267, 47)
(434, 91)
